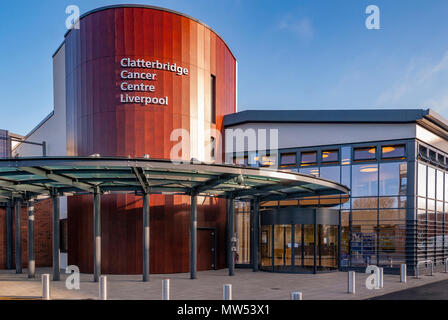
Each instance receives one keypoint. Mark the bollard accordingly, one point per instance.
(46, 287)
(403, 273)
(351, 282)
(103, 288)
(296, 295)
(381, 278)
(166, 289)
(227, 292)
(432, 268)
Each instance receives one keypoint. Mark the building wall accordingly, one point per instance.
(298, 135)
(42, 236)
(98, 123)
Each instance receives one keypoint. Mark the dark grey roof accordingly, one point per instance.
(335, 116)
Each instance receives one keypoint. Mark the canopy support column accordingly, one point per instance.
(17, 217)
(31, 259)
(231, 236)
(255, 232)
(146, 236)
(97, 235)
(193, 235)
(9, 236)
(56, 238)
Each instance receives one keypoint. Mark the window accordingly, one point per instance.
(432, 155)
(422, 152)
(365, 153)
(241, 161)
(288, 160)
(308, 158)
(365, 180)
(63, 240)
(330, 156)
(268, 160)
(213, 99)
(346, 155)
(390, 152)
(393, 179)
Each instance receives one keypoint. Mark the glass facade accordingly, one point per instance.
(396, 212)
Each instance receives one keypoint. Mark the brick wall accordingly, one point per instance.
(42, 235)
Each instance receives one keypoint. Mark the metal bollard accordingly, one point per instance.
(166, 289)
(351, 282)
(381, 278)
(296, 295)
(46, 287)
(103, 288)
(227, 292)
(403, 273)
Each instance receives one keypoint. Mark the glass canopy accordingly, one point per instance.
(36, 177)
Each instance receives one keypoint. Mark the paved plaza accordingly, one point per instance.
(247, 285)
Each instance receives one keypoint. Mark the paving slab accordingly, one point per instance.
(247, 285)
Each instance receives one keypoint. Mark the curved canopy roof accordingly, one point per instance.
(26, 178)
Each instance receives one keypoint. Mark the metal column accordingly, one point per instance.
(146, 237)
(31, 259)
(17, 217)
(97, 236)
(255, 233)
(231, 237)
(9, 237)
(193, 235)
(56, 238)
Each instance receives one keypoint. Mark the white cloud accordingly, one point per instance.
(303, 27)
(423, 84)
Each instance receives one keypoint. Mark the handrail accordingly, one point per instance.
(417, 273)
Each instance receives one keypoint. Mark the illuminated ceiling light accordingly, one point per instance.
(372, 150)
(325, 155)
(388, 149)
(369, 169)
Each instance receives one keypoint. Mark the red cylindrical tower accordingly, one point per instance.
(119, 62)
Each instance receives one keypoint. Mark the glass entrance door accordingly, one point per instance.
(282, 247)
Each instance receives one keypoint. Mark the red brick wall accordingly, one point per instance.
(42, 235)
(2, 238)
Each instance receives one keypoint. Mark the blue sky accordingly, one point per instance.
(292, 54)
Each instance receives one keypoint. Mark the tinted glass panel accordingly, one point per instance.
(393, 151)
(368, 153)
(431, 183)
(365, 180)
(331, 173)
(421, 180)
(311, 171)
(288, 159)
(393, 179)
(308, 158)
(330, 156)
(346, 155)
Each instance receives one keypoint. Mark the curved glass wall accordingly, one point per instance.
(309, 243)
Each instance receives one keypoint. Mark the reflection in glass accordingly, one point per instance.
(308, 158)
(365, 153)
(328, 246)
(393, 151)
(310, 171)
(439, 190)
(331, 173)
(308, 245)
(288, 160)
(331, 156)
(392, 202)
(298, 240)
(346, 156)
(266, 246)
(393, 179)
(242, 223)
(364, 180)
(431, 183)
(364, 203)
(421, 180)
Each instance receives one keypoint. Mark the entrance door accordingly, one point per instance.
(206, 249)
